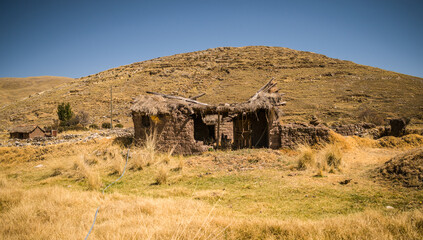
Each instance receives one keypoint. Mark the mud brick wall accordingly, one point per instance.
(176, 130)
(226, 128)
(36, 133)
(275, 135)
(292, 135)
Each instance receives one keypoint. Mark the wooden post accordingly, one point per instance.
(218, 130)
(111, 107)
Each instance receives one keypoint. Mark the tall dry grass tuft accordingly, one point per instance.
(180, 163)
(84, 171)
(333, 156)
(307, 157)
(137, 161)
(165, 158)
(116, 161)
(162, 176)
(150, 147)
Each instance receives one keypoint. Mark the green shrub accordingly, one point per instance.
(118, 125)
(93, 126)
(106, 125)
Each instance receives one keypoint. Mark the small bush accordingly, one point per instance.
(106, 125)
(93, 126)
(333, 156)
(162, 175)
(307, 157)
(118, 125)
(371, 116)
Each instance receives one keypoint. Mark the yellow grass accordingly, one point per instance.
(245, 194)
(58, 213)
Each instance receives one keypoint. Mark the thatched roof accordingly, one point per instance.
(155, 104)
(165, 104)
(24, 129)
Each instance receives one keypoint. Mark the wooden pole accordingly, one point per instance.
(111, 107)
(218, 131)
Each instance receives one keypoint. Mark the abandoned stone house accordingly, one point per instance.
(25, 132)
(188, 126)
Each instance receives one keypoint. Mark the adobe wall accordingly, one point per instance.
(176, 130)
(36, 133)
(226, 128)
(274, 136)
(291, 135)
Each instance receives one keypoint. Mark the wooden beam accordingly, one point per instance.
(266, 87)
(197, 96)
(179, 98)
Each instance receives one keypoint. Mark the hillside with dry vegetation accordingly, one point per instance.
(15, 89)
(333, 90)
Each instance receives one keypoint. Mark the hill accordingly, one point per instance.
(14, 89)
(334, 90)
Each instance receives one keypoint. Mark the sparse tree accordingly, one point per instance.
(64, 112)
(83, 118)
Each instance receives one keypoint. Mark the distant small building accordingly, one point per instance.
(27, 131)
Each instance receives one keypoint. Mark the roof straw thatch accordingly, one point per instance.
(166, 104)
(24, 129)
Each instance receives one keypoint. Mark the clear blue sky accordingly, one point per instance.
(77, 38)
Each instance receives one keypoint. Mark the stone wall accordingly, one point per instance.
(361, 129)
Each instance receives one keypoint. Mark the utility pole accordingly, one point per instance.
(111, 107)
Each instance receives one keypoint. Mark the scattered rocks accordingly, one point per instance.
(345, 182)
(70, 138)
(361, 129)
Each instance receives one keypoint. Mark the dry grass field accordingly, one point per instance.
(323, 192)
(333, 90)
(15, 89)
(330, 191)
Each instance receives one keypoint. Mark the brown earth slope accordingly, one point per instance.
(332, 89)
(406, 169)
(15, 89)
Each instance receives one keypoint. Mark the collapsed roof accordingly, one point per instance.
(267, 97)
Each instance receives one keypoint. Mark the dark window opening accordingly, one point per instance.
(145, 121)
(211, 129)
(203, 132)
